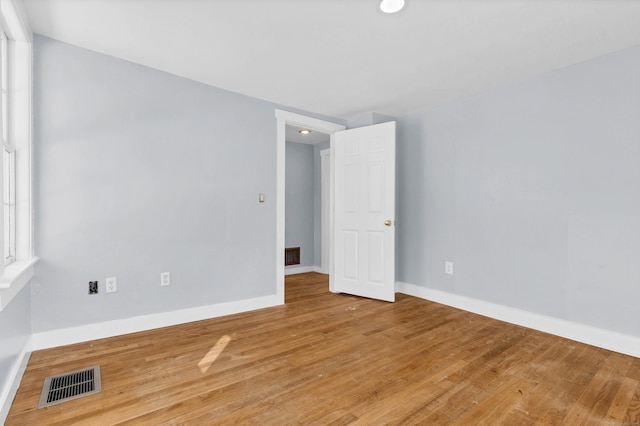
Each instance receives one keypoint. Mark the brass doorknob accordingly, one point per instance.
(387, 223)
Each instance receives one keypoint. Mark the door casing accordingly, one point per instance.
(325, 172)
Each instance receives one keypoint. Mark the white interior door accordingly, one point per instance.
(364, 211)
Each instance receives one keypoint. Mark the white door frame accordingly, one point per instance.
(283, 118)
(325, 191)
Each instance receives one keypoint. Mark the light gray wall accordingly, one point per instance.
(139, 172)
(299, 200)
(15, 328)
(533, 192)
(368, 119)
(317, 201)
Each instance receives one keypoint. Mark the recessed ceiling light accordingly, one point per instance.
(304, 131)
(391, 6)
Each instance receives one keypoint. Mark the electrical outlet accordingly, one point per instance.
(165, 279)
(93, 287)
(448, 268)
(111, 284)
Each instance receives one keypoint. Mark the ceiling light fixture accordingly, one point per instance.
(304, 131)
(391, 6)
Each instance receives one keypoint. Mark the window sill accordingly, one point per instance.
(15, 277)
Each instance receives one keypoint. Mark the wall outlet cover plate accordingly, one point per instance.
(111, 285)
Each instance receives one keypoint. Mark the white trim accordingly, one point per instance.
(325, 209)
(84, 333)
(611, 340)
(15, 277)
(285, 118)
(292, 270)
(332, 209)
(13, 381)
(16, 21)
(21, 135)
(310, 123)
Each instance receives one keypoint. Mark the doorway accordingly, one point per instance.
(305, 201)
(284, 119)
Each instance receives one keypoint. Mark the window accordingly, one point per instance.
(16, 269)
(9, 162)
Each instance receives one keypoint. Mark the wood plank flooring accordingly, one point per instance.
(332, 359)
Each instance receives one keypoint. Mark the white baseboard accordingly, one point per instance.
(611, 340)
(84, 333)
(13, 382)
(292, 270)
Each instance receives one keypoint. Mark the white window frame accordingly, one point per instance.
(16, 274)
(9, 159)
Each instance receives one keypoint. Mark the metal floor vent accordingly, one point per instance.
(292, 256)
(68, 386)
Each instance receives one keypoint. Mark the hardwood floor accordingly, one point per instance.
(335, 359)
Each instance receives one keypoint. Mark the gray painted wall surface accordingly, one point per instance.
(317, 201)
(533, 192)
(368, 119)
(139, 172)
(299, 200)
(15, 328)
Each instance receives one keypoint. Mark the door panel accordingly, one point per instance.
(351, 259)
(364, 250)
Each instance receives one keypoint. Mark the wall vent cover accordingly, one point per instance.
(292, 256)
(67, 386)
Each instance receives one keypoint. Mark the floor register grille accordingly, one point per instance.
(69, 386)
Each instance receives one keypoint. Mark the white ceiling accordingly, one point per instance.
(345, 57)
(292, 134)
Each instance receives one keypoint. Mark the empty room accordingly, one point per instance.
(367, 212)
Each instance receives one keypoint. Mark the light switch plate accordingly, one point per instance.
(165, 279)
(448, 268)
